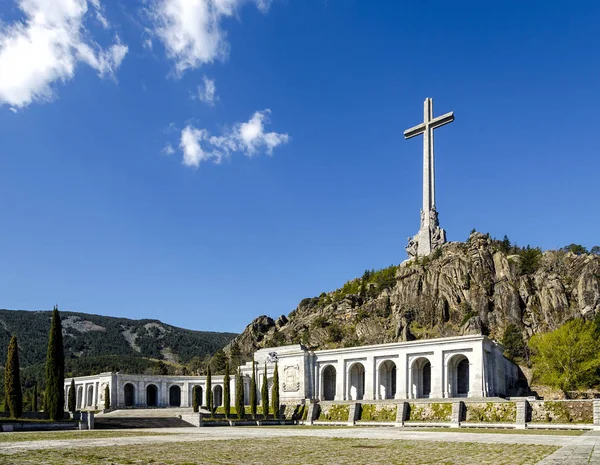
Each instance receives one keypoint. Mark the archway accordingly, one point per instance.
(79, 403)
(217, 396)
(151, 395)
(175, 396)
(129, 395)
(197, 391)
(458, 376)
(328, 383)
(387, 380)
(421, 378)
(90, 396)
(356, 382)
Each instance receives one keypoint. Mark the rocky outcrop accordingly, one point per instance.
(474, 287)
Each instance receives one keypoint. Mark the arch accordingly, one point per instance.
(217, 396)
(328, 383)
(458, 376)
(129, 395)
(79, 403)
(356, 381)
(90, 395)
(421, 378)
(387, 379)
(175, 396)
(151, 395)
(197, 389)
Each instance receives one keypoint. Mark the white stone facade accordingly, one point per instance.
(465, 366)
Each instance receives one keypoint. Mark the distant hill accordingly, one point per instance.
(95, 343)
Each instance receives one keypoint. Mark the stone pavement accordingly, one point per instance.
(582, 450)
(569, 443)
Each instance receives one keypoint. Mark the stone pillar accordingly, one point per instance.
(185, 395)
(437, 374)
(458, 410)
(522, 410)
(340, 380)
(163, 399)
(90, 420)
(370, 371)
(354, 414)
(477, 371)
(596, 407)
(402, 413)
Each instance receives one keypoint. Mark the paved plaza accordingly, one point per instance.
(574, 450)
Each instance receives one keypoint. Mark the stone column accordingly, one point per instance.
(84, 396)
(370, 375)
(185, 395)
(437, 373)
(401, 377)
(163, 398)
(477, 372)
(340, 380)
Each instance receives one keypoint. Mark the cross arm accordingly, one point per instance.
(441, 120)
(414, 131)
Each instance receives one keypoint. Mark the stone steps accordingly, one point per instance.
(147, 413)
(104, 422)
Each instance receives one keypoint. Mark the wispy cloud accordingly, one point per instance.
(191, 30)
(207, 91)
(249, 138)
(46, 46)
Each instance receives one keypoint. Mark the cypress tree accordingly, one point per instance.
(55, 370)
(71, 398)
(264, 393)
(226, 394)
(253, 391)
(107, 398)
(34, 401)
(209, 393)
(275, 392)
(195, 399)
(12, 380)
(239, 395)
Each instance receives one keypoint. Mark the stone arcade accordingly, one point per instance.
(465, 366)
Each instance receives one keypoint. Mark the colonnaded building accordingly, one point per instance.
(464, 366)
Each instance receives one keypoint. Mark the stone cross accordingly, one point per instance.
(430, 235)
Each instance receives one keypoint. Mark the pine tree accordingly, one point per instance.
(226, 394)
(55, 370)
(195, 398)
(12, 380)
(253, 391)
(107, 398)
(209, 393)
(34, 401)
(71, 398)
(275, 392)
(264, 392)
(239, 395)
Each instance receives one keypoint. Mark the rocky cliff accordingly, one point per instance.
(479, 286)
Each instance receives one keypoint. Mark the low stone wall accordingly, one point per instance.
(430, 412)
(491, 412)
(561, 411)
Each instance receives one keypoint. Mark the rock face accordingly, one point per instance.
(467, 288)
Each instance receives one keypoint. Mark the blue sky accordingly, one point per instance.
(205, 162)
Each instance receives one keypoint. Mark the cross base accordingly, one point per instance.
(429, 237)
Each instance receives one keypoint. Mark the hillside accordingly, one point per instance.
(95, 343)
(480, 286)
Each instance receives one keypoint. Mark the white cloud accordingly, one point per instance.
(46, 46)
(207, 91)
(191, 29)
(168, 150)
(197, 145)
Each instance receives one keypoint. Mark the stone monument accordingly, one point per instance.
(430, 234)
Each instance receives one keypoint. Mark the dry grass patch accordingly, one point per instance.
(291, 451)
